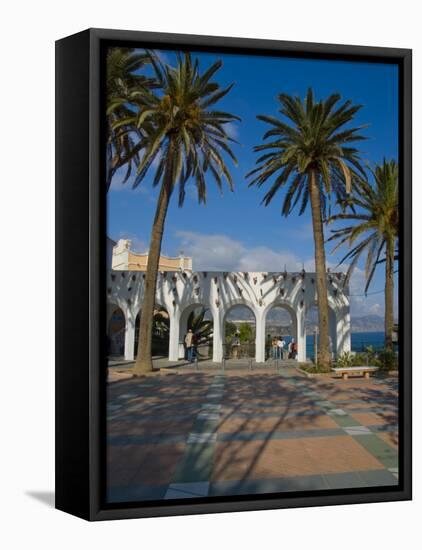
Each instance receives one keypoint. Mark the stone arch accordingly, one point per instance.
(183, 318)
(225, 312)
(114, 303)
(288, 335)
(161, 332)
(116, 330)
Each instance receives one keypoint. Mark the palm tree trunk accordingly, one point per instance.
(324, 355)
(389, 294)
(144, 357)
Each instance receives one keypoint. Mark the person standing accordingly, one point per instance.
(285, 352)
(235, 346)
(280, 345)
(274, 348)
(189, 345)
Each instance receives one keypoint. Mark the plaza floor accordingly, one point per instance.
(196, 434)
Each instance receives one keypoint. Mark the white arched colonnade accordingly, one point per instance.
(181, 292)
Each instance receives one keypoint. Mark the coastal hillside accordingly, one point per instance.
(278, 316)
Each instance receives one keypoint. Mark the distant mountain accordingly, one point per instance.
(367, 323)
(280, 317)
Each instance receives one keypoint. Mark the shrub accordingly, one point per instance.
(345, 360)
(366, 358)
(359, 359)
(388, 359)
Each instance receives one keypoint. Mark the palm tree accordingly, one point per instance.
(200, 326)
(187, 140)
(311, 159)
(123, 82)
(375, 233)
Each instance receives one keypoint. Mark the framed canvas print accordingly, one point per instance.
(233, 274)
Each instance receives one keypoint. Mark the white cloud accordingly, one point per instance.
(376, 309)
(212, 252)
(219, 252)
(266, 259)
(359, 303)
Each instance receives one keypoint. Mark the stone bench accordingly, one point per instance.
(359, 371)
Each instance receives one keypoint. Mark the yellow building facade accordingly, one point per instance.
(125, 259)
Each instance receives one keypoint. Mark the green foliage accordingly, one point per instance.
(384, 359)
(311, 136)
(375, 209)
(368, 357)
(199, 325)
(161, 323)
(230, 330)
(360, 359)
(124, 79)
(388, 360)
(345, 360)
(181, 138)
(311, 160)
(245, 333)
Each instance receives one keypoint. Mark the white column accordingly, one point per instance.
(129, 338)
(260, 339)
(343, 331)
(301, 335)
(333, 325)
(218, 335)
(174, 336)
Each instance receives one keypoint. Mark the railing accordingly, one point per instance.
(245, 350)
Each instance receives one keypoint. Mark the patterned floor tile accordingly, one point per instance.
(202, 437)
(357, 430)
(194, 435)
(280, 458)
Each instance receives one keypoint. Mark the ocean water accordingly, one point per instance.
(360, 341)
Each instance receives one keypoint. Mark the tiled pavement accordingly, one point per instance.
(199, 434)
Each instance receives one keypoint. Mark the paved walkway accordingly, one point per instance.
(119, 369)
(196, 434)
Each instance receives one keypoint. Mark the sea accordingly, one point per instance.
(360, 341)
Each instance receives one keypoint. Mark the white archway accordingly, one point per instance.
(162, 331)
(293, 331)
(228, 308)
(183, 319)
(116, 328)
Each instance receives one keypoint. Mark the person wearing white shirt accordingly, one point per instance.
(280, 347)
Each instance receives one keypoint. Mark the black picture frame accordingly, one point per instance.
(80, 273)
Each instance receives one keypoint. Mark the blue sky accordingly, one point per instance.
(233, 231)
